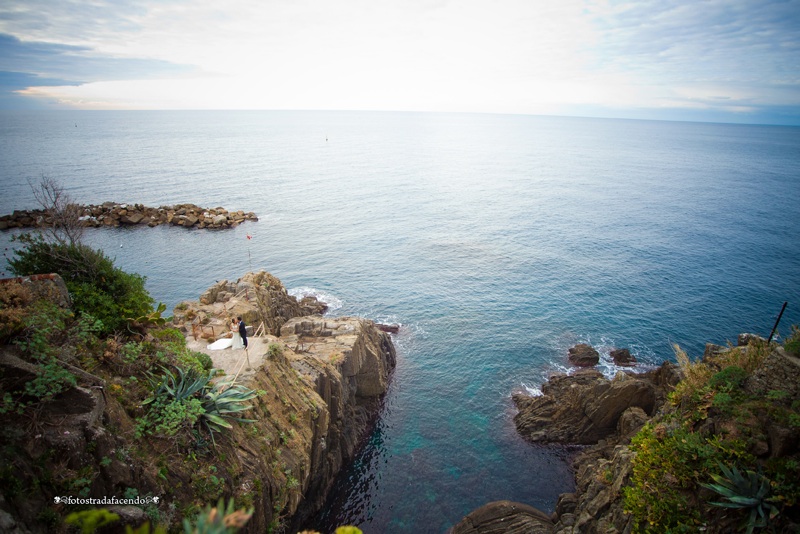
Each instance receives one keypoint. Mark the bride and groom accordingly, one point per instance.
(238, 339)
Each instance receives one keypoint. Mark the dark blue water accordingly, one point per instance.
(497, 241)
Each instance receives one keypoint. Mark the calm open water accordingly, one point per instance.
(498, 241)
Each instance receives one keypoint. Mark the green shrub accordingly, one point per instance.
(97, 288)
(728, 379)
(172, 335)
(792, 343)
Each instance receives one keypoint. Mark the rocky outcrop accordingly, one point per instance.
(585, 407)
(583, 355)
(311, 306)
(605, 415)
(113, 214)
(622, 357)
(328, 374)
(258, 298)
(358, 359)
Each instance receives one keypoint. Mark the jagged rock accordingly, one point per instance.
(131, 218)
(782, 441)
(507, 517)
(622, 357)
(313, 306)
(585, 407)
(258, 298)
(712, 350)
(631, 421)
(391, 328)
(583, 355)
(745, 339)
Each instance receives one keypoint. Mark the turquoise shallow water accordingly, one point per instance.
(496, 241)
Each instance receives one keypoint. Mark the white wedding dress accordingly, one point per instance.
(220, 344)
(236, 342)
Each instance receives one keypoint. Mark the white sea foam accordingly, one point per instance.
(533, 391)
(322, 296)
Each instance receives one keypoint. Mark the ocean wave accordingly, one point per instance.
(322, 296)
(533, 391)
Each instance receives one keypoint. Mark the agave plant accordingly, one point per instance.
(745, 490)
(221, 401)
(180, 386)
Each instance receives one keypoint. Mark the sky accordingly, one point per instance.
(703, 60)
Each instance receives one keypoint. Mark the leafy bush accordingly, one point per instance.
(728, 379)
(97, 288)
(677, 454)
(792, 343)
(183, 398)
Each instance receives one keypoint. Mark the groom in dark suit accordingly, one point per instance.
(243, 331)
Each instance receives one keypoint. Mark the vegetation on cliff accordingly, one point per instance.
(723, 454)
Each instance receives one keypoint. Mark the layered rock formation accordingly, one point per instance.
(113, 214)
(331, 371)
(585, 407)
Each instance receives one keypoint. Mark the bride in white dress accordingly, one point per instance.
(235, 341)
(237, 337)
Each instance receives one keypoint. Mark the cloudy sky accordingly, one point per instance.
(726, 60)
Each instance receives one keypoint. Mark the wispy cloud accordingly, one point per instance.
(644, 58)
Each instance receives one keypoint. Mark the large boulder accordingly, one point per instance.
(585, 407)
(583, 355)
(622, 357)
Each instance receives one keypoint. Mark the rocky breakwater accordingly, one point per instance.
(111, 214)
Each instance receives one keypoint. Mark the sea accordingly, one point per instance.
(496, 242)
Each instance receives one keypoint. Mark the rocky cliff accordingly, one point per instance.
(651, 441)
(319, 383)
